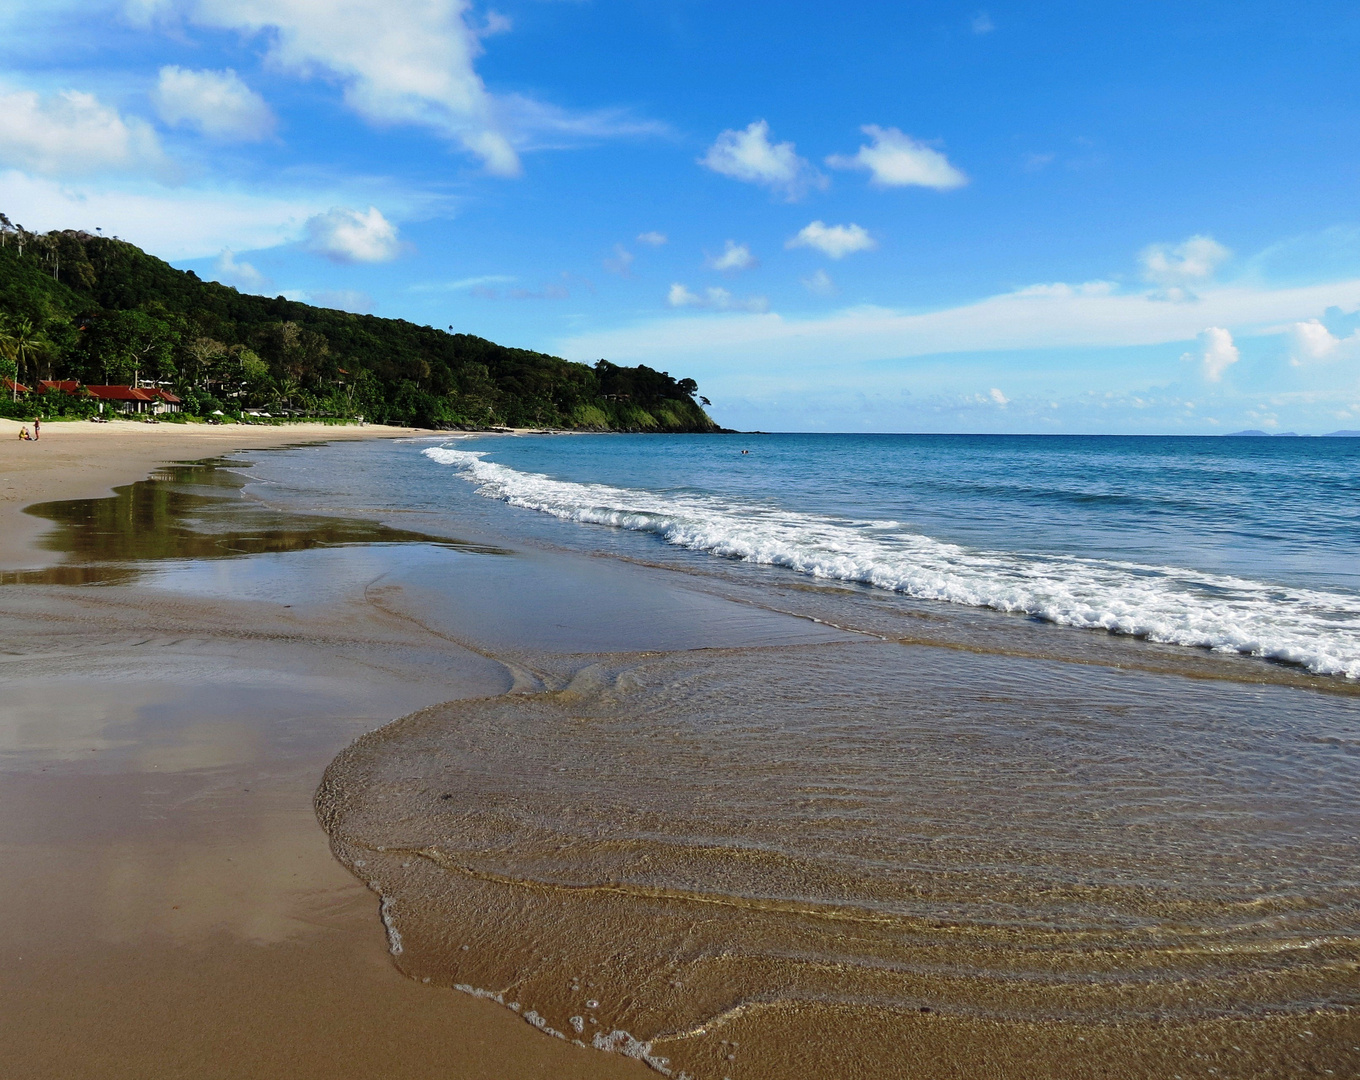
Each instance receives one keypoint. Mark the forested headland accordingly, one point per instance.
(102, 311)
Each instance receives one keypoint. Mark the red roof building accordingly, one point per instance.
(69, 386)
(11, 385)
(134, 399)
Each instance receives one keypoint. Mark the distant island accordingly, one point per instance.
(78, 310)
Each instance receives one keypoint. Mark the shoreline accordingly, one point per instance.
(61, 465)
(168, 727)
(171, 902)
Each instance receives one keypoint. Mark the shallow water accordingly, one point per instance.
(189, 512)
(867, 828)
(948, 842)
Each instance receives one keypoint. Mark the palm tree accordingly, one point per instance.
(22, 344)
(8, 368)
(288, 388)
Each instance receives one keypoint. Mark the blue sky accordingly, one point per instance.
(892, 217)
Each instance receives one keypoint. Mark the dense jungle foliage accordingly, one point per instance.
(102, 311)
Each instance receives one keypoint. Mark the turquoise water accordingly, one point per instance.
(1234, 544)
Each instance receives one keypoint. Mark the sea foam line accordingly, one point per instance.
(1315, 629)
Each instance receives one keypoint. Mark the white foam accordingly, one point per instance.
(385, 912)
(1316, 629)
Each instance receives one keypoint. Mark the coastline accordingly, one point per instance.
(81, 460)
(171, 903)
(172, 891)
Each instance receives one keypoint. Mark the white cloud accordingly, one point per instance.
(413, 65)
(714, 299)
(680, 296)
(819, 284)
(537, 125)
(998, 397)
(1181, 266)
(241, 274)
(343, 300)
(1062, 288)
(1313, 342)
(735, 257)
(621, 262)
(1217, 353)
(174, 223)
(216, 103)
(833, 241)
(1046, 317)
(495, 23)
(73, 134)
(982, 23)
(463, 283)
(351, 236)
(898, 160)
(748, 155)
(652, 239)
(143, 13)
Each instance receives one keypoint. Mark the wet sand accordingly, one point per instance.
(627, 800)
(80, 460)
(170, 905)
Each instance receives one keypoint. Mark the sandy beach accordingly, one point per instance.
(735, 823)
(81, 460)
(171, 905)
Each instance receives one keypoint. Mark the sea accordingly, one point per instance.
(1242, 545)
(844, 755)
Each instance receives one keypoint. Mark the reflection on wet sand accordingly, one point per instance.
(170, 905)
(182, 512)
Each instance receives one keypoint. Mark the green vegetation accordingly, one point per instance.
(100, 310)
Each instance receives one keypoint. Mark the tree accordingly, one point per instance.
(23, 345)
(198, 357)
(123, 344)
(255, 375)
(8, 368)
(116, 312)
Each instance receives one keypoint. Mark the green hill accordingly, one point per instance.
(102, 310)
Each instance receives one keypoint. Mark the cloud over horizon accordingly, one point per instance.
(1036, 317)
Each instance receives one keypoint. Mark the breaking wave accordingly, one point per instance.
(1318, 630)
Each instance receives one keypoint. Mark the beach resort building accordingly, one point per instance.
(135, 399)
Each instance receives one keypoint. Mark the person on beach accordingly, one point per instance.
(23, 435)
(37, 428)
